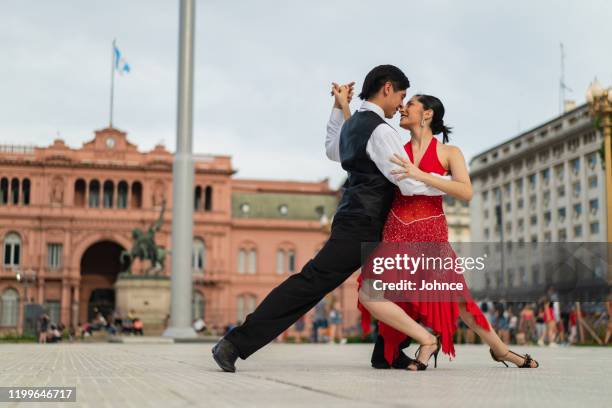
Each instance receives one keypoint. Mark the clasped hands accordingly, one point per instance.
(343, 94)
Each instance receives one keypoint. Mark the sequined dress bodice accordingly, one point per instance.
(410, 210)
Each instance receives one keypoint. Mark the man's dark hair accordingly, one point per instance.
(380, 75)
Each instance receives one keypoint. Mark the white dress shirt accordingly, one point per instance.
(384, 142)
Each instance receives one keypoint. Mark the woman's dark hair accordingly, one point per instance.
(437, 121)
(380, 75)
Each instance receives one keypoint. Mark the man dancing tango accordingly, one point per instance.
(366, 144)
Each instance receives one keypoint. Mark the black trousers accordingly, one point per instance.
(299, 293)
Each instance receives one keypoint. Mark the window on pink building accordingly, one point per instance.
(12, 249)
(9, 308)
(54, 260)
(15, 191)
(79, 193)
(241, 261)
(291, 261)
(198, 256)
(137, 195)
(197, 198)
(208, 198)
(285, 261)
(109, 188)
(4, 191)
(247, 260)
(252, 261)
(26, 191)
(122, 194)
(280, 261)
(94, 194)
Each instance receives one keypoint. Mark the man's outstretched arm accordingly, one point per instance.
(332, 140)
(341, 112)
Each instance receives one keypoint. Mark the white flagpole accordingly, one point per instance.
(112, 90)
(181, 292)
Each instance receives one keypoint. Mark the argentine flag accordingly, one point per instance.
(121, 64)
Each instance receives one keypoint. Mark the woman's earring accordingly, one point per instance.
(422, 122)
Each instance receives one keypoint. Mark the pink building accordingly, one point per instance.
(66, 214)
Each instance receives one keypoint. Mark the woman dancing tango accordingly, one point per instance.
(419, 219)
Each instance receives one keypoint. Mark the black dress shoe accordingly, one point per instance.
(402, 361)
(225, 354)
(378, 360)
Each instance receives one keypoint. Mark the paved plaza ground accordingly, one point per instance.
(308, 375)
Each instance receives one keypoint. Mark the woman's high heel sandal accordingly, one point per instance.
(420, 366)
(526, 363)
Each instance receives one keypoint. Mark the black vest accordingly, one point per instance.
(368, 194)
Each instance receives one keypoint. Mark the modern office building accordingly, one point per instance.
(544, 185)
(458, 219)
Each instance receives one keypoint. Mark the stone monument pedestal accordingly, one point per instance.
(147, 296)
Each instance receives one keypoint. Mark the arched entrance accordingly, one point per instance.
(100, 266)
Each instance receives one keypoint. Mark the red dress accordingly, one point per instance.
(421, 219)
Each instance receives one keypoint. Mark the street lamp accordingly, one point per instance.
(600, 108)
(25, 276)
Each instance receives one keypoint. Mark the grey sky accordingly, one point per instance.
(263, 70)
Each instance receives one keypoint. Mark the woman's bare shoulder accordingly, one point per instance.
(449, 150)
